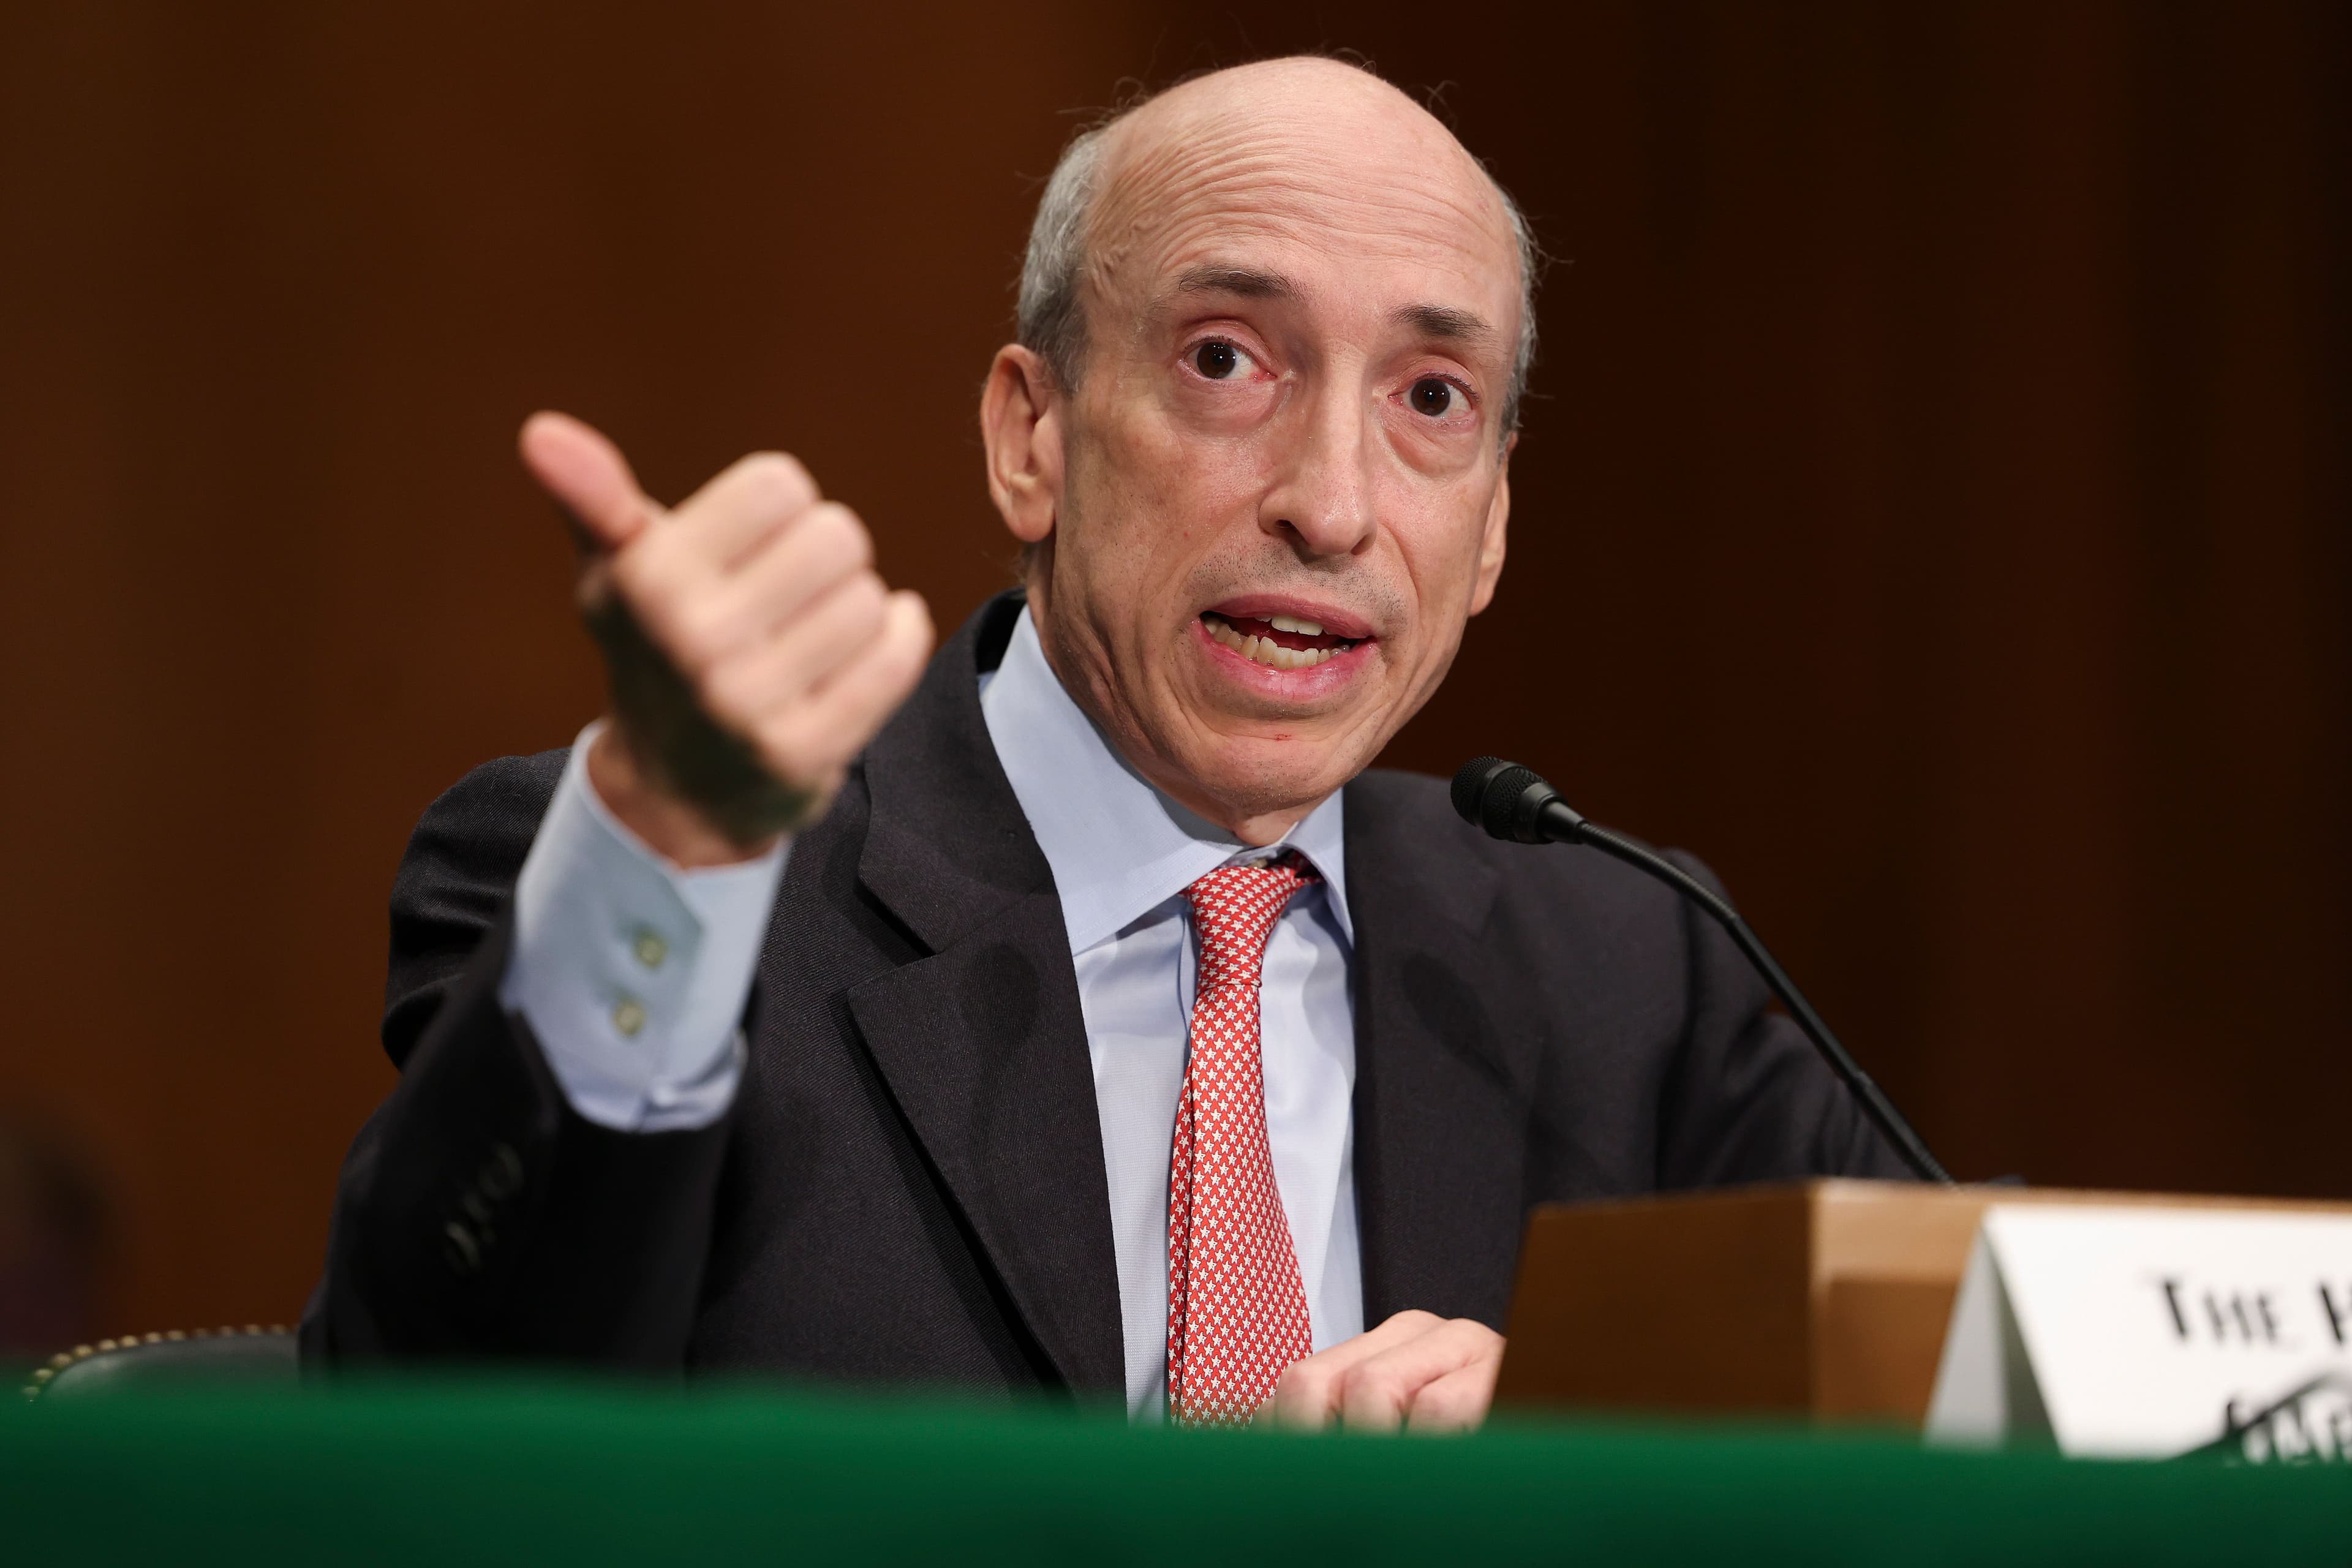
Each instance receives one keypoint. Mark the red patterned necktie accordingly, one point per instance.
(1236, 1305)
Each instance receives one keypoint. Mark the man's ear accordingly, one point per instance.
(1022, 411)
(1490, 543)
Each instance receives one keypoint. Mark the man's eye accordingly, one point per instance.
(1219, 360)
(1433, 396)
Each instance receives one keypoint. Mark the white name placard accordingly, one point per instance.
(2150, 1331)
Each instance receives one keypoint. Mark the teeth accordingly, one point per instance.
(1287, 623)
(1265, 650)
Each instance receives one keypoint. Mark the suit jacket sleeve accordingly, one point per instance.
(1747, 1098)
(477, 1212)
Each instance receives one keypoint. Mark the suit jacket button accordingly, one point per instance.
(462, 1252)
(501, 1175)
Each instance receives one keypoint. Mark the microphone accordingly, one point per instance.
(1514, 804)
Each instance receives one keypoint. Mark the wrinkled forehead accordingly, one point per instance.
(1341, 182)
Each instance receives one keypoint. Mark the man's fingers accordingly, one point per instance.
(577, 465)
(1456, 1401)
(1440, 1374)
(835, 721)
(861, 696)
(750, 498)
(1307, 1395)
(1375, 1394)
(813, 554)
(842, 624)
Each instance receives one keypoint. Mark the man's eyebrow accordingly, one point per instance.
(1447, 323)
(1246, 281)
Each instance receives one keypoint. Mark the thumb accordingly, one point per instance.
(586, 473)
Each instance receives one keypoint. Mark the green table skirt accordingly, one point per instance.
(506, 1473)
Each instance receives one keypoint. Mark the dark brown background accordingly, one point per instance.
(1935, 513)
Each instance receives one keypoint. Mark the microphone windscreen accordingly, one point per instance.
(1487, 792)
(1470, 787)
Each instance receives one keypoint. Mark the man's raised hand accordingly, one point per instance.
(752, 650)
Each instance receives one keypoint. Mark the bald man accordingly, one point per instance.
(1073, 1009)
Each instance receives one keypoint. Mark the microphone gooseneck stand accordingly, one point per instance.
(1514, 803)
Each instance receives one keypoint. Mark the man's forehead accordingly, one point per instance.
(1247, 191)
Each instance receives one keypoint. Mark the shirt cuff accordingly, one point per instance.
(633, 974)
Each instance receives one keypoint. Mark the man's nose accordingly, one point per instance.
(1322, 505)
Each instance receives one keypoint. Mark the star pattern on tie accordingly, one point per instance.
(1236, 1302)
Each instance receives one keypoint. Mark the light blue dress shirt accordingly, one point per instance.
(1122, 855)
(632, 973)
(647, 1047)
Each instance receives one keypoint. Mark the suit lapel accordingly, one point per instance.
(983, 1041)
(1440, 1117)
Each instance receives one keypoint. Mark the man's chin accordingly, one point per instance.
(1282, 773)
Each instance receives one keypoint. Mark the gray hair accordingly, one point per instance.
(1051, 315)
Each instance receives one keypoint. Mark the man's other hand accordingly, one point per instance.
(752, 651)
(1417, 1371)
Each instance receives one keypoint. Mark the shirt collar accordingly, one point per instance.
(1118, 848)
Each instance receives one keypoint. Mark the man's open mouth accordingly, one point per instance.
(1280, 642)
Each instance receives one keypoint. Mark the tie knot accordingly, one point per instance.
(1234, 907)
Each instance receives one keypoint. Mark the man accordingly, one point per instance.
(1076, 1011)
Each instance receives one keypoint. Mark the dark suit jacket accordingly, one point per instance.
(910, 1187)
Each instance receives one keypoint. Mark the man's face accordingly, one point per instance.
(1281, 483)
